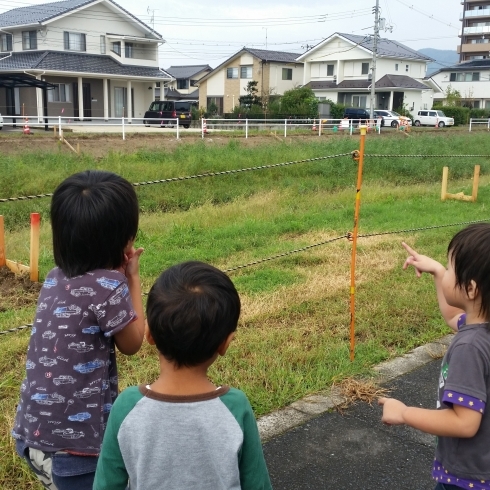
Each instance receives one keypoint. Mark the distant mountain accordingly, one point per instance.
(442, 57)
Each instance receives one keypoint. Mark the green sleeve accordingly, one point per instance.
(253, 470)
(111, 472)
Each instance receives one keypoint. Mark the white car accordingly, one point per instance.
(392, 118)
(1, 121)
(432, 118)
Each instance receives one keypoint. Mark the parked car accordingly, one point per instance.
(432, 118)
(392, 118)
(1, 121)
(165, 113)
(356, 113)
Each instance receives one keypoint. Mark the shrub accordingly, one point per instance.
(461, 115)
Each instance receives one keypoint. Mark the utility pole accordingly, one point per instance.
(375, 54)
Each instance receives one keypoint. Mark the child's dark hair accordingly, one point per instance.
(94, 214)
(470, 255)
(192, 308)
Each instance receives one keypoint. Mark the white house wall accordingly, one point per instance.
(277, 84)
(216, 84)
(469, 90)
(387, 66)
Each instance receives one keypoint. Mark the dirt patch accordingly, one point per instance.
(99, 145)
(17, 290)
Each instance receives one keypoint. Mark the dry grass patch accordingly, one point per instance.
(352, 390)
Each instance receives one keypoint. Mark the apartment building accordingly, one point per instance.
(475, 30)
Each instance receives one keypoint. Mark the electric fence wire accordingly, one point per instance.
(347, 235)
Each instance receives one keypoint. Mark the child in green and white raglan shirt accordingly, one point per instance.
(182, 432)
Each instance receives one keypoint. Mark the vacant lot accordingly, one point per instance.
(293, 337)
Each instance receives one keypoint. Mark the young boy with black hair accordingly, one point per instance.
(182, 432)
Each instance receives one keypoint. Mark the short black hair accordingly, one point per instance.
(469, 251)
(94, 214)
(192, 308)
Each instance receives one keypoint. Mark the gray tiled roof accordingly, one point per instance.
(268, 55)
(34, 14)
(186, 71)
(386, 47)
(465, 66)
(388, 81)
(76, 63)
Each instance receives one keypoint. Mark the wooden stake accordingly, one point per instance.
(54, 131)
(476, 181)
(34, 260)
(445, 174)
(3, 255)
(78, 148)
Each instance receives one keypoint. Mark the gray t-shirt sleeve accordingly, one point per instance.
(466, 374)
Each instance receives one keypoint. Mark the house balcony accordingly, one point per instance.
(475, 30)
(483, 48)
(472, 14)
(471, 1)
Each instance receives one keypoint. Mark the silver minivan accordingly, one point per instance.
(432, 118)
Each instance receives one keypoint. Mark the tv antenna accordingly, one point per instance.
(152, 18)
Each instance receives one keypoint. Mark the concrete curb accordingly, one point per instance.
(312, 406)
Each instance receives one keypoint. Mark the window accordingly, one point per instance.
(425, 106)
(487, 104)
(359, 101)
(61, 93)
(365, 69)
(476, 104)
(465, 77)
(330, 69)
(452, 77)
(29, 40)
(475, 77)
(396, 66)
(182, 83)
(216, 103)
(102, 44)
(116, 47)
(128, 50)
(287, 73)
(74, 41)
(245, 72)
(407, 67)
(232, 73)
(5, 42)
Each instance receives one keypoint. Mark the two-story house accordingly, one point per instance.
(275, 72)
(471, 79)
(101, 59)
(184, 85)
(340, 69)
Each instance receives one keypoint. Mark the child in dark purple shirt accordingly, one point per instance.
(461, 420)
(90, 303)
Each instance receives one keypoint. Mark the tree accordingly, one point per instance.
(251, 99)
(299, 101)
(453, 97)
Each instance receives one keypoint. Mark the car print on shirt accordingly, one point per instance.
(81, 347)
(50, 282)
(121, 292)
(83, 291)
(107, 407)
(67, 311)
(93, 329)
(97, 310)
(89, 367)
(30, 418)
(63, 380)
(46, 361)
(86, 392)
(41, 307)
(30, 364)
(108, 283)
(48, 335)
(68, 433)
(113, 322)
(79, 417)
(47, 399)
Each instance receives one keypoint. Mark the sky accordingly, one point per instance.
(210, 31)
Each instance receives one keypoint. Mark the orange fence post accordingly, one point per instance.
(3, 255)
(360, 158)
(34, 259)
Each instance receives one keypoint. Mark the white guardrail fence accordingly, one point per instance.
(124, 125)
(474, 123)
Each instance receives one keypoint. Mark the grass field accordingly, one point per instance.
(293, 337)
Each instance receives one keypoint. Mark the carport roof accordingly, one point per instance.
(388, 81)
(21, 80)
(59, 61)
